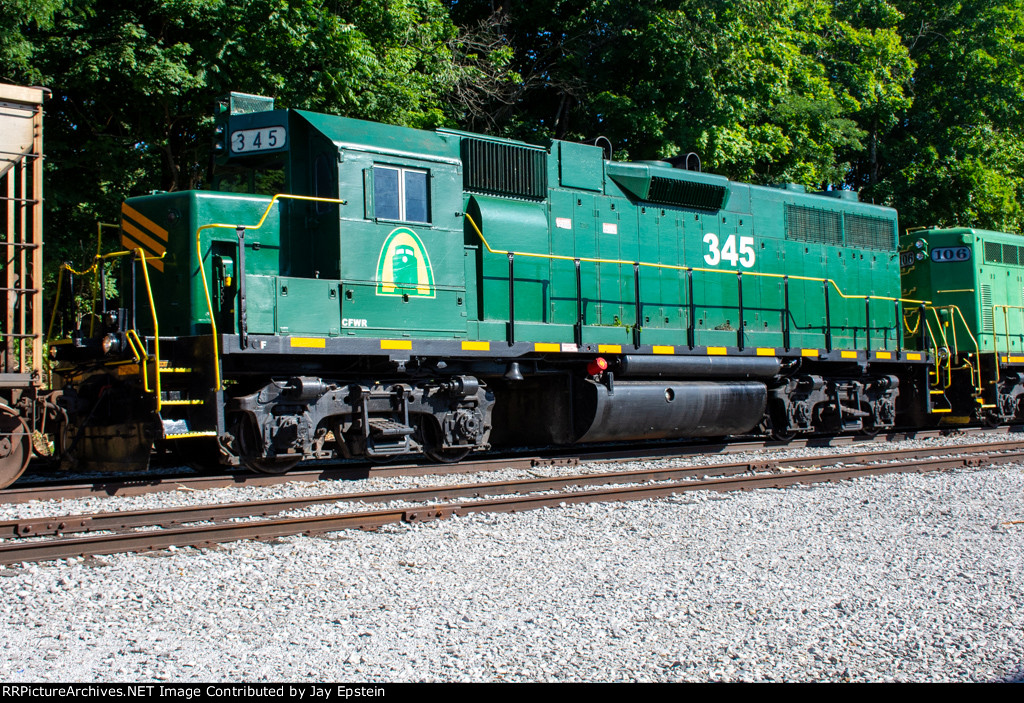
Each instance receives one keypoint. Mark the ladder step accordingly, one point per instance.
(389, 428)
(176, 369)
(182, 402)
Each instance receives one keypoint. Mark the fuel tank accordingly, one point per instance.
(632, 410)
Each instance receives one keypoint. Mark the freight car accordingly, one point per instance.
(347, 288)
(23, 397)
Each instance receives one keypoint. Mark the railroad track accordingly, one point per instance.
(131, 486)
(42, 539)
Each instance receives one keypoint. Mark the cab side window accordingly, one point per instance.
(400, 194)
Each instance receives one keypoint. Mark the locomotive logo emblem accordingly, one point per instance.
(404, 266)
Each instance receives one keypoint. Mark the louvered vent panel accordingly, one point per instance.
(863, 232)
(986, 308)
(700, 196)
(808, 224)
(504, 169)
(993, 253)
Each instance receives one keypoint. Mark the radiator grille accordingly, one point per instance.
(808, 224)
(864, 232)
(504, 169)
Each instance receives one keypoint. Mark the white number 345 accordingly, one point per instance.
(744, 257)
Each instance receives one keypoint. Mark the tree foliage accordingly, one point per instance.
(919, 106)
(957, 154)
(134, 83)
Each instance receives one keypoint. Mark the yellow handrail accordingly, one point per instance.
(955, 350)
(156, 327)
(97, 260)
(938, 359)
(139, 350)
(202, 268)
(1006, 333)
(562, 257)
(1006, 325)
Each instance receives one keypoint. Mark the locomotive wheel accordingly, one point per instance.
(785, 435)
(432, 441)
(274, 466)
(250, 451)
(989, 419)
(15, 446)
(869, 430)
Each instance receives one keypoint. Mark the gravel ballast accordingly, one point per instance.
(901, 577)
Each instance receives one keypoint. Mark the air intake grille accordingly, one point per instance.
(1011, 254)
(701, 196)
(993, 253)
(863, 232)
(808, 224)
(504, 169)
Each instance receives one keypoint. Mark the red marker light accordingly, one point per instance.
(597, 366)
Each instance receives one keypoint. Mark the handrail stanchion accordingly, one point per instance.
(511, 298)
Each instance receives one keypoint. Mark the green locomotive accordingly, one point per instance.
(974, 279)
(357, 289)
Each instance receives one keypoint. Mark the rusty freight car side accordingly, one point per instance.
(21, 348)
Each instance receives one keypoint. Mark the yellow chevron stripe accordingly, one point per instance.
(153, 227)
(132, 237)
(152, 246)
(129, 243)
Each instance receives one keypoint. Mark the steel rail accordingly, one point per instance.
(164, 517)
(25, 551)
(141, 485)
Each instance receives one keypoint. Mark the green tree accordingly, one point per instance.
(134, 83)
(957, 157)
(769, 91)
